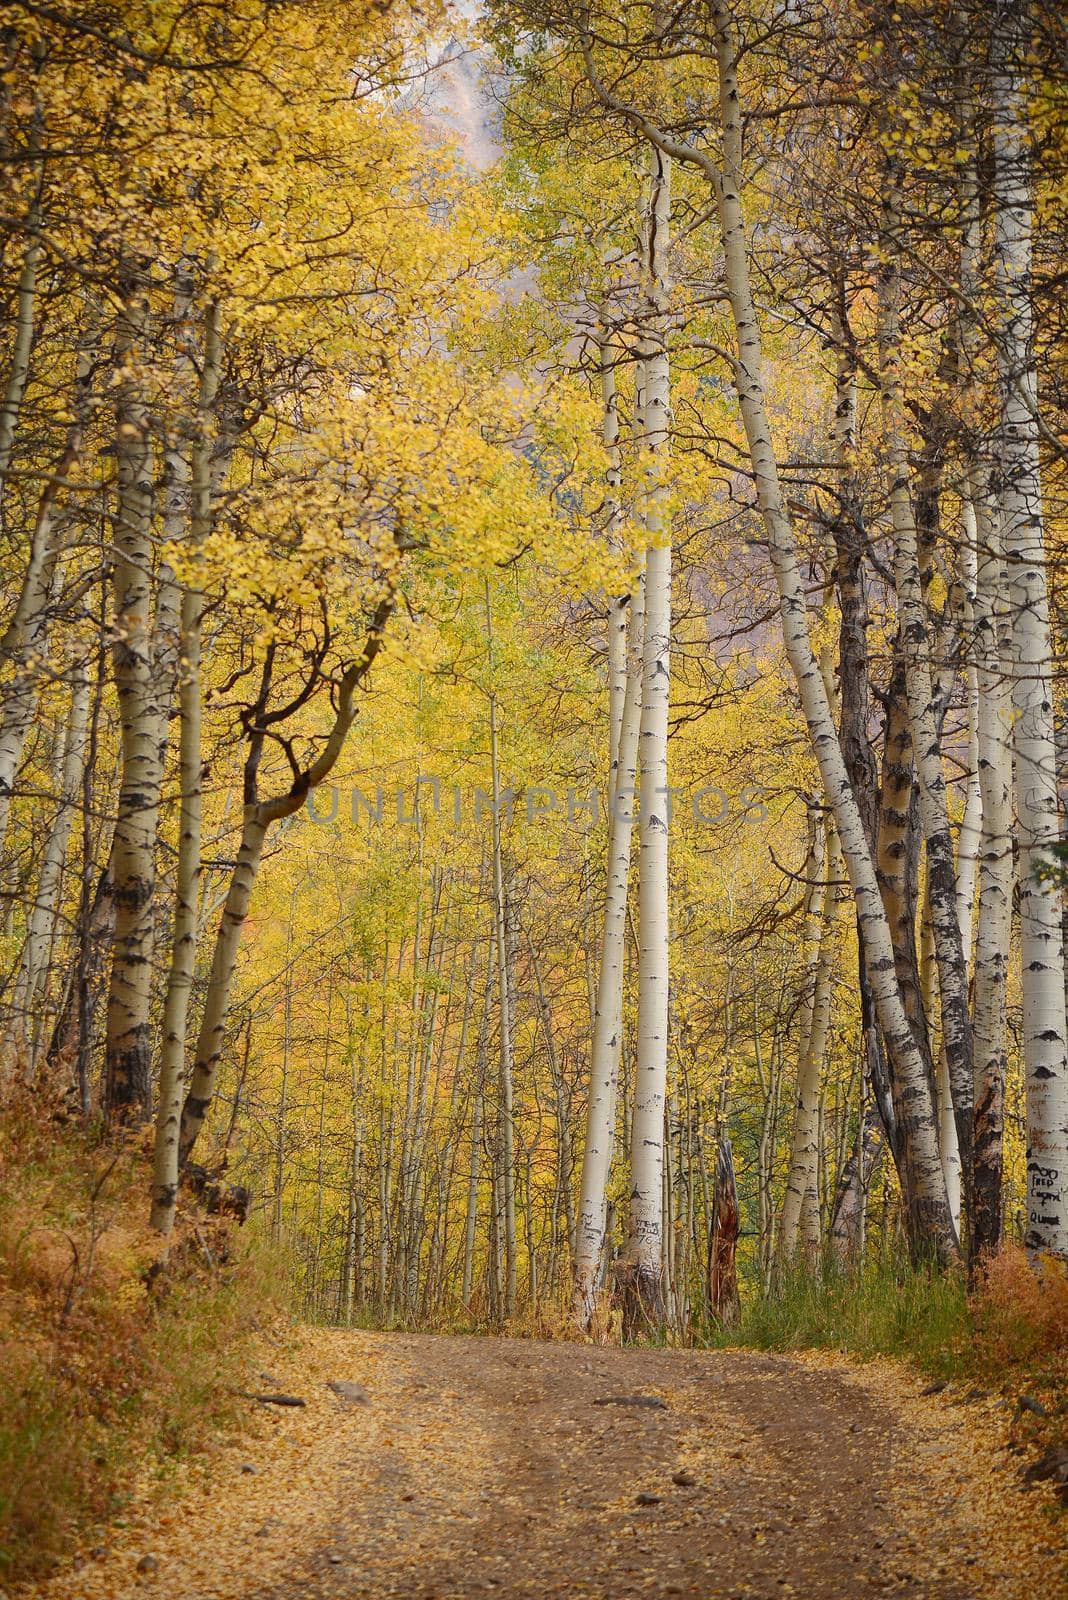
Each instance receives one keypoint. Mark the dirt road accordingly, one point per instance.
(481, 1467)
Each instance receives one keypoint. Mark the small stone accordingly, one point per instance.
(646, 1499)
(335, 1561)
(148, 1564)
(685, 1480)
(247, 1467)
(353, 1394)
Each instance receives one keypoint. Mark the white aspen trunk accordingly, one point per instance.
(25, 640)
(989, 740)
(27, 646)
(931, 1227)
(947, 1126)
(187, 885)
(500, 916)
(177, 500)
(922, 703)
(471, 1217)
(25, 309)
(619, 604)
(283, 1090)
(969, 840)
(128, 1057)
(217, 999)
(46, 904)
(994, 921)
(810, 944)
(1041, 948)
(645, 1252)
(800, 1213)
(608, 1007)
(971, 827)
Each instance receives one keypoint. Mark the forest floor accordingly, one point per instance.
(474, 1467)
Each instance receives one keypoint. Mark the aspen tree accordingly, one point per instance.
(608, 1006)
(504, 967)
(812, 1047)
(1045, 1037)
(187, 882)
(994, 919)
(608, 1002)
(128, 1086)
(931, 1226)
(20, 1038)
(645, 1245)
(921, 695)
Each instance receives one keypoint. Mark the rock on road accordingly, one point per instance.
(472, 1467)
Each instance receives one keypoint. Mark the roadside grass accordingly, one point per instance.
(110, 1369)
(1007, 1334)
(884, 1309)
(1013, 1321)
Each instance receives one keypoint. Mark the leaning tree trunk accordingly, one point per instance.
(643, 1277)
(1041, 950)
(257, 818)
(931, 1227)
(184, 935)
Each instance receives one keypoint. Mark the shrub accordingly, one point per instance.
(1020, 1311)
(106, 1362)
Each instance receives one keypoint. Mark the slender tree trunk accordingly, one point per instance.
(994, 922)
(931, 1226)
(608, 1008)
(25, 316)
(187, 886)
(923, 719)
(645, 1251)
(804, 1145)
(481, 1051)
(24, 645)
(128, 1064)
(217, 999)
(282, 1112)
(1041, 950)
(500, 914)
(46, 904)
(619, 604)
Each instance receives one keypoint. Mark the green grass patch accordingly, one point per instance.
(884, 1309)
